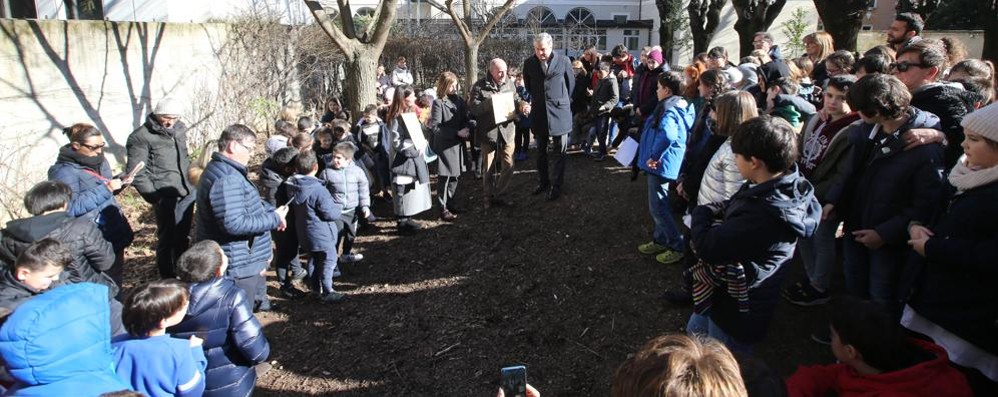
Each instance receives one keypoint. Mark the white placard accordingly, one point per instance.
(415, 129)
(503, 107)
(626, 152)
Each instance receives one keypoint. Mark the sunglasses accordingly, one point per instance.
(94, 147)
(904, 66)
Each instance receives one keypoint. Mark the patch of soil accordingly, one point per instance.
(558, 286)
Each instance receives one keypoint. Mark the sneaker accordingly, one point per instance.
(651, 248)
(291, 292)
(669, 257)
(333, 297)
(351, 258)
(803, 294)
(299, 274)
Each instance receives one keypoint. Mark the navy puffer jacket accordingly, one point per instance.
(92, 198)
(315, 213)
(234, 342)
(231, 213)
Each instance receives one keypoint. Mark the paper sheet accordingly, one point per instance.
(503, 107)
(626, 152)
(415, 129)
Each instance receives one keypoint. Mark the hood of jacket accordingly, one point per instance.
(920, 119)
(36, 227)
(300, 187)
(800, 104)
(789, 198)
(956, 99)
(204, 296)
(33, 340)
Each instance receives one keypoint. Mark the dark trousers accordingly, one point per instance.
(446, 189)
(560, 144)
(321, 265)
(602, 133)
(347, 230)
(521, 140)
(255, 287)
(286, 256)
(173, 229)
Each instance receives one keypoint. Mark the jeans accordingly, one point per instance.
(666, 231)
(321, 265)
(522, 139)
(602, 129)
(286, 257)
(818, 254)
(560, 143)
(173, 228)
(701, 324)
(872, 274)
(347, 229)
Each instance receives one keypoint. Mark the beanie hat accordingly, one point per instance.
(168, 107)
(656, 55)
(773, 70)
(983, 122)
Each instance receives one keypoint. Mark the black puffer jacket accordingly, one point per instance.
(220, 313)
(92, 254)
(12, 292)
(950, 104)
(165, 154)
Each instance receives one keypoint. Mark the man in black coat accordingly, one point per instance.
(161, 143)
(549, 78)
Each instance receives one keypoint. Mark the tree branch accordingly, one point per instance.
(328, 26)
(346, 18)
(494, 19)
(385, 17)
(462, 27)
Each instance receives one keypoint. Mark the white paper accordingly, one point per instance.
(688, 221)
(503, 107)
(415, 129)
(626, 152)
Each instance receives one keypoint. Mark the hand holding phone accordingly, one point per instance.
(514, 381)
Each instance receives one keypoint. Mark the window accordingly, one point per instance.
(85, 9)
(580, 16)
(631, 39)
(18, 9)
(619, 19)
(540, 16)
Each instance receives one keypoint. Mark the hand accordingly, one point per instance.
(463, 133)
(114, 184)
(681, 191)
(195, 341)
(918, 232)
(869, 238)
(653, 164)
(531, 392)
(920, 136)
(637, 111)
(282, 214)
(589, 91)
(827, 212)
(365, 212)
(918, 244)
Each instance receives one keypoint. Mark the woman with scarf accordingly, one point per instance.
(82, 166)
(950, 282)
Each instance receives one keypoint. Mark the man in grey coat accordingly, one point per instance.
(161, 143)
(495, 136)
(549, 79)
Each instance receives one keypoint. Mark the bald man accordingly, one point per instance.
(494, 135)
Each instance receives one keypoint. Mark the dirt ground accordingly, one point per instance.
(557, 286)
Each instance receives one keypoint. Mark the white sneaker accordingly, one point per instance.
(351, 258)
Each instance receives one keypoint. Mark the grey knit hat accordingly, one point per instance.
(983, 122)
(168, 107)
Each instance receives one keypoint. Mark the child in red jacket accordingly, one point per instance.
(875, 359)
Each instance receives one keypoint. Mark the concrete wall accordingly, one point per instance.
(972, 39)
(57, 73)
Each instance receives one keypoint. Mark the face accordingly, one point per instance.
(760, 44)
(340, 161)
(39, 280)
(167, 120)
(835, 101)
(542, 51)
(498, 71)
(916, 76)
(663, 92)
(175, 318)
(981, 153)
(333, 106)
(381, 70)
(410, 100)
(716, 62)
(898, 32)
(744, 166)
(242, 151)
(833, 70)
(401, 63)
(91, 147)
(705, 91)
(325, 140)
(811, 48)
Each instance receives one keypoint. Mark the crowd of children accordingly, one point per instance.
(894, 153)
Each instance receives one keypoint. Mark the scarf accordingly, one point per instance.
(707, 278)
(68, 155)
(819, 140)
(964, 177)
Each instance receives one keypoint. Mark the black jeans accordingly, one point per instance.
(347, 230)
(173, 229)
(560, 148)
(255, 287)
(286, 256)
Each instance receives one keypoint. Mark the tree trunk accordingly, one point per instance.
(989, 15)
(666, 31)
(362, 81)
(704, 17)
(843, 19)
(470, 67)
(754, 16)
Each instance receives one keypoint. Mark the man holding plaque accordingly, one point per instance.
(549, 78)
(161, 144)
(492, 105)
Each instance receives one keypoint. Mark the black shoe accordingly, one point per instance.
(540, 189)
(554, 193)
(291, 292)
(678, 297)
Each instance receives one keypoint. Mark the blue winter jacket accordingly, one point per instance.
(315, 213)
(760, 227)
(59, 344)
(220, 313)
(664, 137)
(349, 186)
(93, 199)
(231, 212)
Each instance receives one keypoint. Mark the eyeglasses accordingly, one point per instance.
(904, 66)
(247, 147)
(94, 147)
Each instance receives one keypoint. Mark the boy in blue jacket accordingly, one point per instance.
(221, 314)
(745, 243)
(316, 214)
(350, 189)
(886, 187)
(660, 155)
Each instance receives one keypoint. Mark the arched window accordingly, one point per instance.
(580, 16)
(541, 16)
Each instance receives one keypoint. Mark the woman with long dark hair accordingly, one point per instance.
(410, 176)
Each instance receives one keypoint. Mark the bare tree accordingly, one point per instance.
(925, 8)
(754, 16)
(704, 18)
(464, 21)
(361, 47)
(842, 19)
(672, 20)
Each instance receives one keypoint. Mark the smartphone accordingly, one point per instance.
(514, 381)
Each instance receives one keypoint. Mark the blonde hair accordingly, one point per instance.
(824, 41)
(732, 108)
(679, 366)
(198, 165)
(444, 82)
